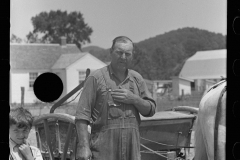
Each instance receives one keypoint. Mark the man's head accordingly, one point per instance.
(121, 53)
(20, 124)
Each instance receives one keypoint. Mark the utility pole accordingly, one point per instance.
(22, 96)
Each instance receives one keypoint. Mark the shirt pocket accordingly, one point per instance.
(130, 111)
(114, 110)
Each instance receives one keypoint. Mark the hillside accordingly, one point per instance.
(163, 56)
(100, 53)
(91, 48)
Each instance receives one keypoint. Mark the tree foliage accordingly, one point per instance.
(51, 26)
(15, 39)
(33, 38)
(163, 56)
(169, 51)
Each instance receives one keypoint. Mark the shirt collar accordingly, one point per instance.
(112, 72)
(12, 144)
(110, 69)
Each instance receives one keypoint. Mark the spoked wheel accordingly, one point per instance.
(56, 136)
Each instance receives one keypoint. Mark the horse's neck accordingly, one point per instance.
(207, 115)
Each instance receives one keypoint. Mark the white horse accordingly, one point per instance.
(210, 128)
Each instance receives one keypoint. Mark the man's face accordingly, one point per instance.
(122, 55)
(18, 135)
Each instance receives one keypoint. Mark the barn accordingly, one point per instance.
(205, 68)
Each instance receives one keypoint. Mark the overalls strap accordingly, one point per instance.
(114, 114)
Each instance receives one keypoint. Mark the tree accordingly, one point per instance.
(55, 24)
(141, 62)
(33, 38)
(15, 39)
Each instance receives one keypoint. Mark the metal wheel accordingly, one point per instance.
(56, 136)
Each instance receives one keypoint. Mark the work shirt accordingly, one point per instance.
(115, 125)
(15, 155)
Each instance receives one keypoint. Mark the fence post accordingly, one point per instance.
(182, 96)
(22, 96)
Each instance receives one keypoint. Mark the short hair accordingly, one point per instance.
(123, 39)
(21, 117)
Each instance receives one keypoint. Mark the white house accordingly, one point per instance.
(30, 60)
(181, 86)
(205, 68)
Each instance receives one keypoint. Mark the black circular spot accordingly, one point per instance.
(48, 87)
(236, 149)
(236, 66)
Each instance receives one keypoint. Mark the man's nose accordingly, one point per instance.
(124, 55)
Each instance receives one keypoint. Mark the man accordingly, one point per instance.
(112, 99)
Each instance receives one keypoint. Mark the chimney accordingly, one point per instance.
(63, 41)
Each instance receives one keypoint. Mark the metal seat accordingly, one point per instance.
(56, 136)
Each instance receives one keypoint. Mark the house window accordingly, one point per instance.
(82, 75)
(32, 78)
(193, 86)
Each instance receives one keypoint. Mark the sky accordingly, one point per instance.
(137, 19)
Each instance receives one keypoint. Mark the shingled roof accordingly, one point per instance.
(41, 56)
(67, 59)
(206, 65)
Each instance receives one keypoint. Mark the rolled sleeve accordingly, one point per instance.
(145, 94)
(87, 99)
(153, 108)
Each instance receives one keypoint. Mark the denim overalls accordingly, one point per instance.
(115, 129)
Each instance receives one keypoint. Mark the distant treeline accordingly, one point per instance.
(163, 56)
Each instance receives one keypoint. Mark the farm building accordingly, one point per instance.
(181, 86)
(161, 87)
(150, 86)
(28, 61)
(205, 68)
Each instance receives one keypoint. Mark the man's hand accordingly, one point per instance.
(123, 95)
(127, 97)
(83, 153)
(26, 151)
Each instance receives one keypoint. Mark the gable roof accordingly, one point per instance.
(206, 65)
(67, 59)
(38, 56)
(207, 55)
